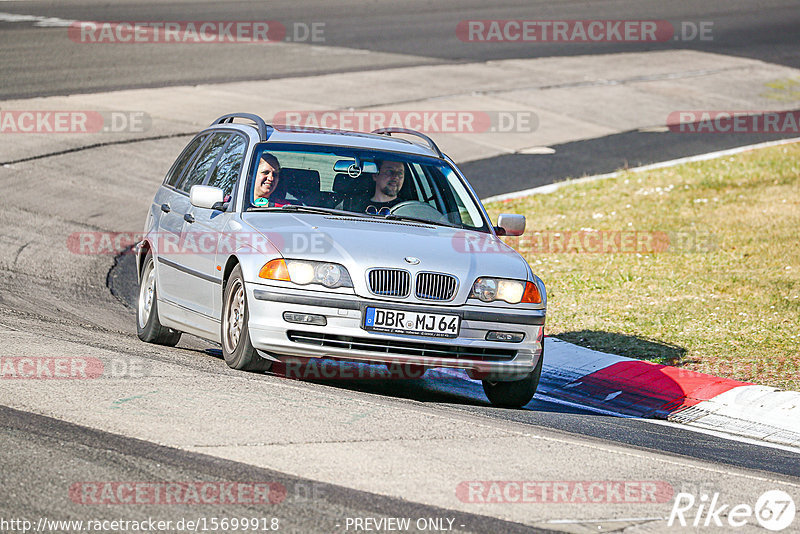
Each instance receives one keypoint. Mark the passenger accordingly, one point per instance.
(267, 177)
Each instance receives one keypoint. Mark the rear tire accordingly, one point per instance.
(148, 327)
(514, 394)
(235, 334)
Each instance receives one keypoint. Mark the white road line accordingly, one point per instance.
(661, 422)
(612, 520)
(543, 190)
(40, 22)
(725, 435)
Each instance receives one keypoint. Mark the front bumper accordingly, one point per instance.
(344, 338)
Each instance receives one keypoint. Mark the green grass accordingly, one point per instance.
(721, 292)
(784, 90)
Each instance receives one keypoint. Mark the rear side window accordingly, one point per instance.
(180, 164)
(196, 175)
(229, 166)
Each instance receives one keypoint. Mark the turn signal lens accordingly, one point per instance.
(275, 270)
(531, 294)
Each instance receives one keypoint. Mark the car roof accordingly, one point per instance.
(322, 136)
(319, 136)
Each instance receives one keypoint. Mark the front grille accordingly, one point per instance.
(397, 346)
(436, 286)
(389, 282)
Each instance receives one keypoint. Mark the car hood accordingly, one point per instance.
(361, 244)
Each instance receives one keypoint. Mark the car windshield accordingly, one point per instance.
(363, 182)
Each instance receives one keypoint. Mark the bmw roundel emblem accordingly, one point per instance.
(412, 260)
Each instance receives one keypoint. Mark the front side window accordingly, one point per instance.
(180, 164)
(229, 166)
(363, 182)
(196, 175)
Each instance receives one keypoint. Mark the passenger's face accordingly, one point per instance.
(266, 179)
(390, 178)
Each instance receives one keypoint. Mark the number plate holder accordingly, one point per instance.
(411, 322)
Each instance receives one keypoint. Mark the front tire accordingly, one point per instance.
(514, 394)
(236, 346)
(148, 327)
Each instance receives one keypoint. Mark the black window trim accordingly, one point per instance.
(235, 189)
(209, 134)
(487, 228)
(189, 163)
(213, 163)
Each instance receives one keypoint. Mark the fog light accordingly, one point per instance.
(304, 318)
(506, 337)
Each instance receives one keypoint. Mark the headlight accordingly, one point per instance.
(511, 291)
(300, 272)
(328, 274)
(303, 272)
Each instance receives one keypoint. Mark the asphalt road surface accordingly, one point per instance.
(75, 453)
(35, 61)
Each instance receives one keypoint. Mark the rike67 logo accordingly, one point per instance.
(774, 510)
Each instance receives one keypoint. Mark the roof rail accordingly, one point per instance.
(389, 131)
(263, 127)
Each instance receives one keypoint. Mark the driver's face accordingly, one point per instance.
(390, 178)
(266, 179)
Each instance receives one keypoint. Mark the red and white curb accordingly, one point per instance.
(635, 388)
(625, 387)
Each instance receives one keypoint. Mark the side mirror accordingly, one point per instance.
(206, 196)
(508, 224)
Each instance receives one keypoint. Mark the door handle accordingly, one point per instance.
(188, 218)
(165, 208)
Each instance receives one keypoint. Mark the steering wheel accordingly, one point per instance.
(419, 210)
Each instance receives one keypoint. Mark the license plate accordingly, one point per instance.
(414, 323)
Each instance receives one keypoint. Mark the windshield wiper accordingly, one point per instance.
(394, 217)
(308, 209)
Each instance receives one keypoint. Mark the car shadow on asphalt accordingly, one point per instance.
(435, 386)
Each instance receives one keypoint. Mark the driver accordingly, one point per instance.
(388, 183)
(266, 182)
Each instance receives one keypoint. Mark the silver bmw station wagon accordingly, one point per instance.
(286, 243)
